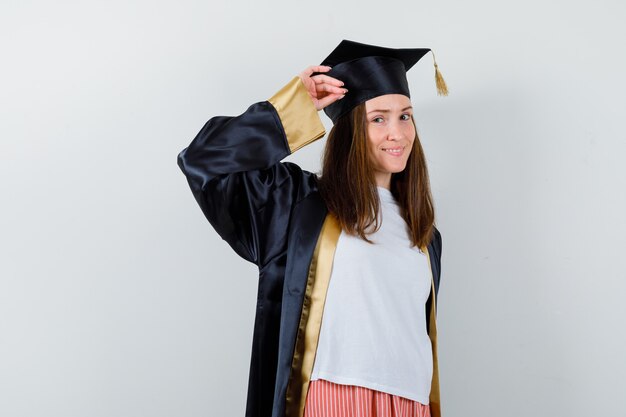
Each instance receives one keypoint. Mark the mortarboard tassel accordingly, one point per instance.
(442, 88)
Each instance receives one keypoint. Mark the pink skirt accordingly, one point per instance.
(327, 399)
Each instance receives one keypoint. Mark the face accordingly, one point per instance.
(390, 134)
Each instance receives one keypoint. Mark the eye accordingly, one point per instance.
(377, 119)
(405, 116)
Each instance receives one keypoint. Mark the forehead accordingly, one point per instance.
(388, 102)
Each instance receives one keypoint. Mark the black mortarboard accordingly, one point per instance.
(369, 71)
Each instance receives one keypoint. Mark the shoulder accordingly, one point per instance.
(436, 241)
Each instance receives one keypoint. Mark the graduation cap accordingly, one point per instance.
(369, 71)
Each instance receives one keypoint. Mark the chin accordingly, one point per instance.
(396, 169)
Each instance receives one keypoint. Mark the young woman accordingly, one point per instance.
(349, 262)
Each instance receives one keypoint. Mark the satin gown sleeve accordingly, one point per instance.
(234, 171)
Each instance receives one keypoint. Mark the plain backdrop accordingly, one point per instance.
(117, 298)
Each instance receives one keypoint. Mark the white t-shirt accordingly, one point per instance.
(373, 331)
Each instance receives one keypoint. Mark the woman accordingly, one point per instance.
(366, 226)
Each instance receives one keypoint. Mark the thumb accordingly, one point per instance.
(328, 100)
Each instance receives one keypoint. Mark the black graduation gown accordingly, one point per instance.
(271, 213)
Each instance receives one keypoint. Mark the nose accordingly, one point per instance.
(395, 132)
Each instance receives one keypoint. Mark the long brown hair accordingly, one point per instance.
(348, 184)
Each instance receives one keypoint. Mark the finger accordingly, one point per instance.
(326, 79)
(315, 68)
(330, 99)
(319, 68)
(330, 89)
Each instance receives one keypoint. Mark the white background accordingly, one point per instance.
(118, 299)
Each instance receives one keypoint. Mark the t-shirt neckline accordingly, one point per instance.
(385, 194)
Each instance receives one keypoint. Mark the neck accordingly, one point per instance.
(383, 179)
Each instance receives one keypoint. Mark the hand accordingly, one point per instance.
(324, 90)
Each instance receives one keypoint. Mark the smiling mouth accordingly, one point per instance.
(396, 150)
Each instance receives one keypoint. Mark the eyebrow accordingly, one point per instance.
(387, 110)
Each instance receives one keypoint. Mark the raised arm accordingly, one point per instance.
(233, 169)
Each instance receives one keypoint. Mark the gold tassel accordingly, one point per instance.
(442, 88)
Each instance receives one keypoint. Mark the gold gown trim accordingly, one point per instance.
(298, 115)
(311, 317)
(434, 400)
